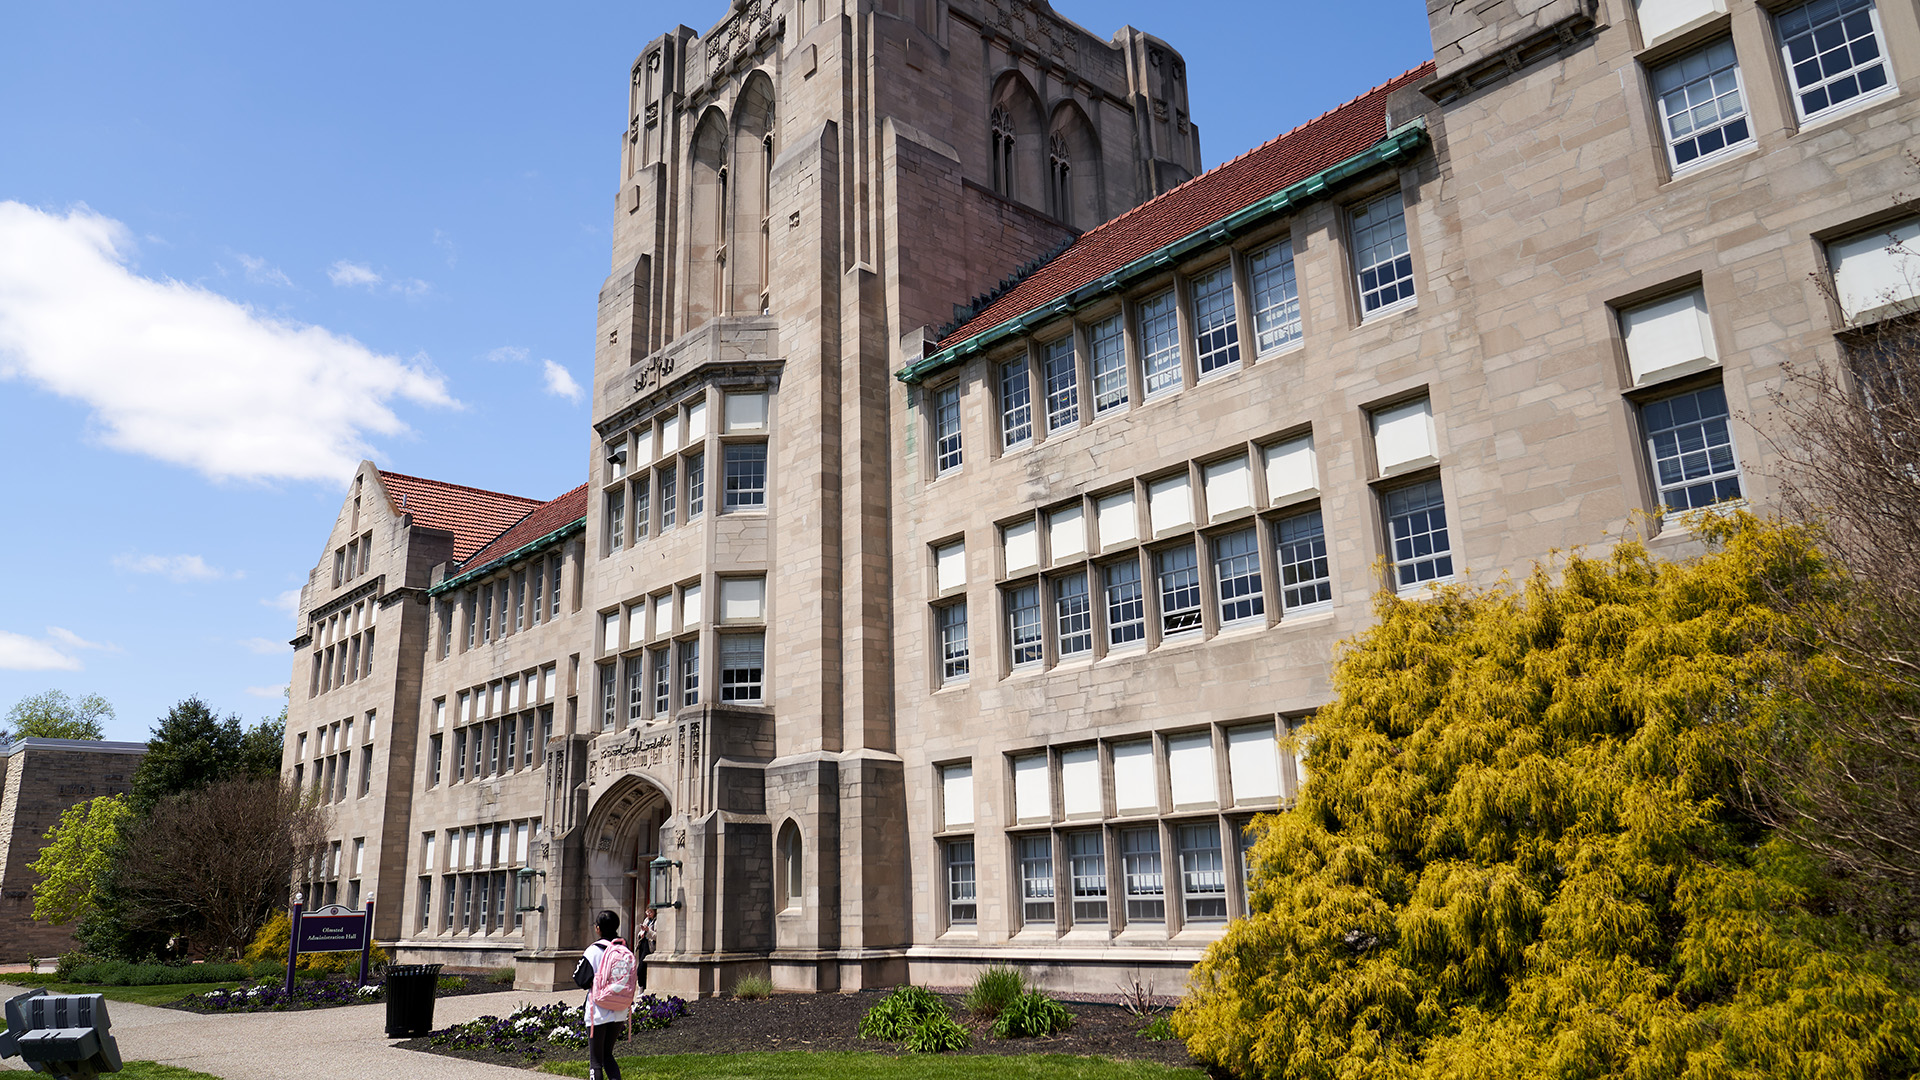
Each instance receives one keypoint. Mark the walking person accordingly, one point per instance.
(610, 974)
(643, 942)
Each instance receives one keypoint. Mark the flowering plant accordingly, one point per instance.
(530, 1031)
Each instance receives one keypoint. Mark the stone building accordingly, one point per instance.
(976, 494)
(40, 779)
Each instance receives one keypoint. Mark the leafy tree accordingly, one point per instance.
(78, 852)
(191, 748)
(53, 715)
(1516, 855)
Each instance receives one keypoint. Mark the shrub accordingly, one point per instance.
(121, 973)
(449, 984)
(531, 1030)
(270, 995)
(993, 990)
(269, 946)
(1032, 1013)
(63, 968)
(501, 976)
(1160, 1029)
(937, 1035)
(900, 1012)
(753, 988)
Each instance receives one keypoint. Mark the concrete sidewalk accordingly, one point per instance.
(346, 1041)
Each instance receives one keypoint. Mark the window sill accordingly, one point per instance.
(1222, 370)
(1424, 589)
(1827, 117)
(1390, 310)
(1316, 613)
(959, 683)
(1293, 344)
(1713, 161)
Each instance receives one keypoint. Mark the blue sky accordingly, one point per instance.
(244, 245)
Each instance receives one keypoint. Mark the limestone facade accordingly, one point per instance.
(959, 557)
(40, 779)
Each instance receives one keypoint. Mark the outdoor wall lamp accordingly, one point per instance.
(661, 882)
(523, 890)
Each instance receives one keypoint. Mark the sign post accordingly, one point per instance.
(293, 939)
(330, 929)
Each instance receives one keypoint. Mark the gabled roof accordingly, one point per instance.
(544, 520)
(473, 516)
(1311, 148)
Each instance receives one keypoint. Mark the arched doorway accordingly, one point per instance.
(623, 837)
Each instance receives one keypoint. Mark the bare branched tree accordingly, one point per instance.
(1845, 780)
(211, 864)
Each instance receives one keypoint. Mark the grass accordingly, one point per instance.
(153, 1070)
(801, 1065)
(753, 988)
(136, 995)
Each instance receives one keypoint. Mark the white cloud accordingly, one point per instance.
(412, 287)
(268, 691)
(181, 568)
(183, 374)
(560, 381)
(259, 272)
(264, 647)
(19, 652)
(75, 641)
(288, 603)
(445, 243)
(348, 274)
(507, 354)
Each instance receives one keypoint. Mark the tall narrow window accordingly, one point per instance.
(1060, 177)
(1301, 554)
(1703, 111)
(539, 590)
(742, 661)
(1023, 624)
(1833, 53)
(1126, 604)
(946, 429)
(446, 629)
(460, 754)
(1063, 386)
(1140, 865)
(1016, 404)
(642, 506)
(662, 681)
(1382, 261)
(962, 906)
(791, 868)
(696, 485)
(1236, 576)
(609, 697)
(520, 601)
(1001, 124)
(954, 657)
(1107, 349)
(438, 743)
(669, 497)
(636, 689)
(1087, 866)
(1178, 572)
(553, 610)
(690, 672)
(486, 614)
(1417, 527)
(1072, 615)
(1276, 297)
(1160, 343)
(1691, 447)
(746, 476)
(1036, 879)
(1216, 326)
(1203, 879)
(616, 520)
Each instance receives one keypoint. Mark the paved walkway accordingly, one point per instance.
(347, 1041)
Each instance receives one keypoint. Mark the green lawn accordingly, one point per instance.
(153, 1070)
(802, 1065)
(138, 995)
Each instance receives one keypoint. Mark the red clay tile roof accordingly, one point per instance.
(473, 516)
(547, 518)
(1313, 146)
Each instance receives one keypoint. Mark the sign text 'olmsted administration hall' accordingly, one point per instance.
(977, 489)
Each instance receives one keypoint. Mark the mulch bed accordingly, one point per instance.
(832, 1022)
(476, 983)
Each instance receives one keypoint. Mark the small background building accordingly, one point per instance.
(39, 780)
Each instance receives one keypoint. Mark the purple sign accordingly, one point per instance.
(332, 933)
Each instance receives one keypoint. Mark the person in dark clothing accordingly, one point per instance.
(603, 1025)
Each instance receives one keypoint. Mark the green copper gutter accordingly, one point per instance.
(1399, 144)
(521, 552)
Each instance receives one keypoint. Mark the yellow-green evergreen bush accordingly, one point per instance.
(1516, 856)
(271, 942)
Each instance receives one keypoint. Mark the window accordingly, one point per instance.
(1701, 108)
(1107, 344)
(609, 697)
(1691, 448)
(519, 602)
(1023, 624)
(696, 485)
(1228, 486)
(642, 508)
(540, 577)
(1216, 327)
(460, 754)
(616, 520)
(426, 903)
(950, 566)
(446, 629)
(690, 672)
(1140, 864)
(526, 755)
(1668, 334)
(1276, 297)
(1833, 54)
(553, 612)
(746, 465)
(662, 682)
(1126, 604)
(1160, 343)
(946, 429)
(1236, 573)
(1381, 259)
(961, 905)
(742, 659)
(439, 748)
(956, 795)
(1178, 572)
(366, 770)
(1016, 404)
(791, 868)
(1036, 879)
(1876, 274)
(669, 497)
(486, 614)
(1087, 866)
(636, 689)
(952, 619)
(1417, 528)
(1072, 615)
(1301, 553)
(1063, 386)
(1203, 879)
(493, 744)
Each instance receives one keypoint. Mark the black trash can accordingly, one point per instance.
(410, 999)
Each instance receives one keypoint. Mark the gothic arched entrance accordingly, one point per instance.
(623, 837)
